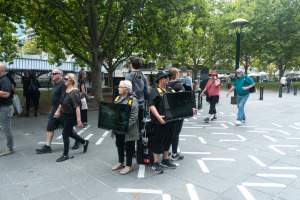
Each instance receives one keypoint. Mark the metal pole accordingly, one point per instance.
(280, 91)
(199, 101)
(237, 59)
(295, 90)
(261, 93)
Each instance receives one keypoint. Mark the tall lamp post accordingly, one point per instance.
(238, 24)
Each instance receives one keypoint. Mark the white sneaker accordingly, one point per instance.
(238, 123)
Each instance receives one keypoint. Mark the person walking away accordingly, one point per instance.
(126, 141)
(70, 109)
(176, 84)
(6, 109)
(242, 84)
(160, 141)
(213, 87)
(32, 94)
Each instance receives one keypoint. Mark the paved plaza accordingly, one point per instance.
(260, 160)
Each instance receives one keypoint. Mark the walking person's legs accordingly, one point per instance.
(5, 122)
(241, 101)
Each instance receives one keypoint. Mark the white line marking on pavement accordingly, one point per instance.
(59, 137)
(279, 185)
(231, 123)
(88, 136)
(245, 192)
(267, 175)
(275, 148)
(202, 140)
(182, 139)
(192, 191)
(187, 135)
(215, 133)
(258, 131)
(293, 138)
(190, 127)
(270, 138)
(219, 159)
(241, 139)
(284, 132)
(178, 149)
(59, 143)
(232, 149)
(141, 173)
(264, 129)
(284, 168)
(277, 125)
(224, 125)
(196, 153)
(194, 118)
(186, 120)
(294, 127)
(297, 123)
(257, 161)
(144, 191)
(203, 166)
(83, 130)
(220, 128)
(100, 140)
(166, 196)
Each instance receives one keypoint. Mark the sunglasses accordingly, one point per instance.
(55, 74)
(66, 79)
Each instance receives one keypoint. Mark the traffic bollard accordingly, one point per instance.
(199, 101)
(261, 93)
(280, 91)
(295, 90)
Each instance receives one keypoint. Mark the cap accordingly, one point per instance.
(160, 75)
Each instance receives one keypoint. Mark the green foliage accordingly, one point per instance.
(31, 47)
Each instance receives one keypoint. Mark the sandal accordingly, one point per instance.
(118, 167)
(126, 170)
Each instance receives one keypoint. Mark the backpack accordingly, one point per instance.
(252, 89)
(32, 86)
(138, 85)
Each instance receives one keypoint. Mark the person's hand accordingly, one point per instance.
(56, 114)
(161, 120)
(245, 88)
(79, 124)
(202, 94)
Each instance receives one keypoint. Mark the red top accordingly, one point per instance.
(213, 87)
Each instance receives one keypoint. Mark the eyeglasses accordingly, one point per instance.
(53, 74)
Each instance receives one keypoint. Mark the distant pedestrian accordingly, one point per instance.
(187, 81)
(70, 109)
(125, 141)
(6, 109)
(32, 93)
(213, 87)
(242, 84)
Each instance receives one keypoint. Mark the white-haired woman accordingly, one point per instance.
(241, 85)
(70, 108)
(126, 141)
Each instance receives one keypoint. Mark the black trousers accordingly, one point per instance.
(140, 118)
(176, 131)
(32, 99)
(213, 100)
(161, 139)
(123, 146)
(69, 123)
(84, 117)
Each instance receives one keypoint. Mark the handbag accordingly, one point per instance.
(17, 104)
(84, 105)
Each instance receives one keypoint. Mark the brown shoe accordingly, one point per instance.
(118, 167)
(126, 170)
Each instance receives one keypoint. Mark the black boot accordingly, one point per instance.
(76, 145)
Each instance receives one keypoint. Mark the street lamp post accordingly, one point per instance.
(238, 23)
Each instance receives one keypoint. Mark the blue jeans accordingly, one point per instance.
(241, 101)
(5, 122)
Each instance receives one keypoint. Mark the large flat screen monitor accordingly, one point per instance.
(114, 116)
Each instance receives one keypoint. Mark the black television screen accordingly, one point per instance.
(114, 116)
(178, 105)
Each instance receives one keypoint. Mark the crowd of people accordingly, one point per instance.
(69, 109)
